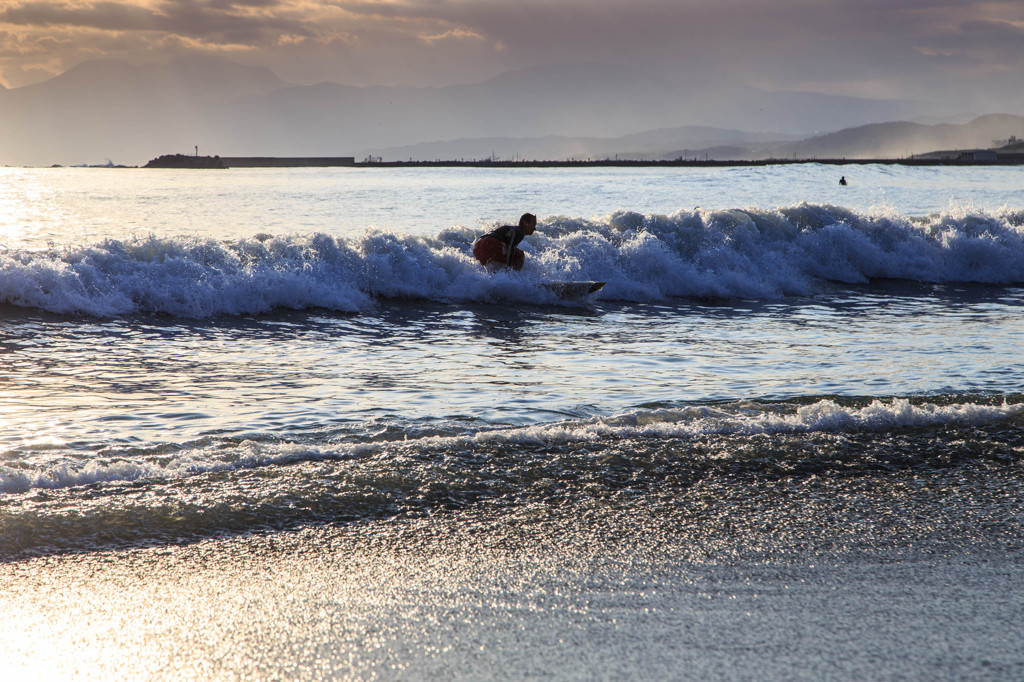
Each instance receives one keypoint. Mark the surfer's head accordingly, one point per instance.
(528, 222)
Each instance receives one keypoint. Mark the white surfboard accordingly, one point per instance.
(573, 289)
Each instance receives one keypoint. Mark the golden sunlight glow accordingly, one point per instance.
(13, 206)
(453, 35)
(198, 45)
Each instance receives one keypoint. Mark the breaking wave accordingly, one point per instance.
(742, 419)
(720, 254)
(195, 491)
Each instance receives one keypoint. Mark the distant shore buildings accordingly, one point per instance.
(189, 161)
(185, 161)
(1008, 152)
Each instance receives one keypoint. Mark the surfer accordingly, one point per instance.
(497, 249)
(842, 180)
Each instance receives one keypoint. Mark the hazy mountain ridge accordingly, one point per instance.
(648, 145)
(896, 139)
(111, 110)
(198, 79)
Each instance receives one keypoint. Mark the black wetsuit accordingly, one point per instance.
(508, 234)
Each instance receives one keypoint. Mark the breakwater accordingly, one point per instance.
(184, 161)
(287, 161)
(206, 162)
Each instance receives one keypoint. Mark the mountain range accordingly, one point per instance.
(109, 110)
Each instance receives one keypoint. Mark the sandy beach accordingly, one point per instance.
(704, 587)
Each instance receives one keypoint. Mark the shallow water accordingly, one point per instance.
(200, 350)
(201, 366)
(85, 205)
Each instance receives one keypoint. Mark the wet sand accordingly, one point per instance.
(569, 594)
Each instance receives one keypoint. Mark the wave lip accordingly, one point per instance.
(247, 455)
(751, 254)
(609, 463)
(186, 277)
(744, 418)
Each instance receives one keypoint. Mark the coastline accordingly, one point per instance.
(694, 163)
(207, 163)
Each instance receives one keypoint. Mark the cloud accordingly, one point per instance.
(780, 44)
(45, 38)
(108, 16)
(193, 18)
(866, 47)
(1000, 40)
(452, 35)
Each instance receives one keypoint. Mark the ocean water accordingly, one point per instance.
(778, 372)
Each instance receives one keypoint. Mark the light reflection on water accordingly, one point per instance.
(291, 395)
(137, 380)
(587, 592)
(81, 205)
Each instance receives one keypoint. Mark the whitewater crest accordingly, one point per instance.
(715, 254)
(689, 423)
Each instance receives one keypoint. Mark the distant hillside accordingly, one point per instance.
(647, 145)
(111, 110)
(107, 109)
(883, 140)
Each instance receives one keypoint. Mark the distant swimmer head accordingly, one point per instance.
(528, 222)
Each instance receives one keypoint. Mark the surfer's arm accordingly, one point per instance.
(512, 241)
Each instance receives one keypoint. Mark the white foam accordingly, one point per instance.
(750, 253)
(73, 471)
(742, 418)
(745, 418)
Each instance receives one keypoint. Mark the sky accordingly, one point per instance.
(872, 48)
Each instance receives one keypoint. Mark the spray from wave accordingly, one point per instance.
(690, 423)
(724, 254)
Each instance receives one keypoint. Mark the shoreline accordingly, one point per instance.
(419, 600)
(708, 163)
(273, 162)
(894, 573)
